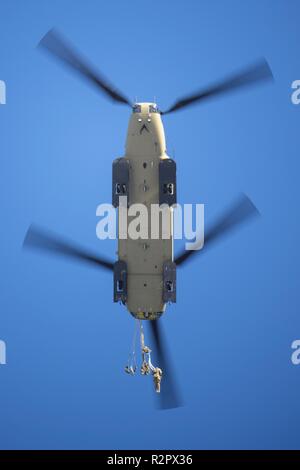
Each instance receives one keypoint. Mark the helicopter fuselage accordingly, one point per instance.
(146, 261)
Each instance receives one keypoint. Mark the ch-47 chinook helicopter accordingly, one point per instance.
(145, 272)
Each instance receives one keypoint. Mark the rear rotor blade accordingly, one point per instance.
(169, 396)
(53, 43)
(39, 239)
(256, 73)
(241, 211)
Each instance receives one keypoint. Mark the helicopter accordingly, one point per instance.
(144, 275)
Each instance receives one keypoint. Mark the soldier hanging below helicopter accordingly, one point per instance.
(147, 367)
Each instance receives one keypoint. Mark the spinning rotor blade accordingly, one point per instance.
(169, 396)
(39, 239)
(58, 47)
(250, 76)
(236, 215)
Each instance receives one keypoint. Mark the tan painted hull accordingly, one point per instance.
(145, 148)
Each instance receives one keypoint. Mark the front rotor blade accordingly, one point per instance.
(259, 72)
(58, 47)
(241, 211)
(169, 396)
(39, 239)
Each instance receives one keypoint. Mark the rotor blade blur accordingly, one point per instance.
(169, 396)
(38, 239)
(53, 43)
(256, 73)
(240, 212)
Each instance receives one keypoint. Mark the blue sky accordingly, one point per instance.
(237, 313)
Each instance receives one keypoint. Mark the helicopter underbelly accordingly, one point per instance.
(145, 257)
